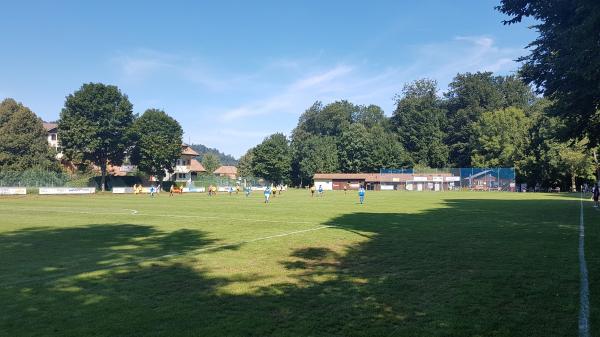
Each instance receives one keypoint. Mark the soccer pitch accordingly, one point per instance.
(402, 264)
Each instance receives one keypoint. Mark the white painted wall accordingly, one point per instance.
(327, 184)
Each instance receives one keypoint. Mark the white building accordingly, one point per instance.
(186, 167)
(52, 131)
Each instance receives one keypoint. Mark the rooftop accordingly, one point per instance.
(50, 126)
(226, 170)
(196, 166)
(187, 150)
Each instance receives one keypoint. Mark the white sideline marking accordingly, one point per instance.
(199, 250)
(584, 292)
(57, 210)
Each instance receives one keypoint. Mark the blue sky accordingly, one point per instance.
(233, 72)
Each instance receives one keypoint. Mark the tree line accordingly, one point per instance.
(481, 120)
(96, 126)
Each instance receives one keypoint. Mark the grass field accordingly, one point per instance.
(403, 264)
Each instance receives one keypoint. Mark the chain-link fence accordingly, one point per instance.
(437, 179)
(218, 181)
(33, 178)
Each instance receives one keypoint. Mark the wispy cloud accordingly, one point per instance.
(142, 64)
(360, 84)
(270, 97)
(466, 53)
(293, 96)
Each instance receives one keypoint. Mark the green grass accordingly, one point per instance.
(403, 264)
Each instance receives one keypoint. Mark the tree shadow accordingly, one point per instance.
(470, 268)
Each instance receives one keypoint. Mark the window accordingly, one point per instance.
(53, 136)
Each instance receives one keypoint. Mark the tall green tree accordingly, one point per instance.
(468, 96)
(211, 162)
(95, 125)
(244, 165)
(370, 116)
(329, 120)
(23, 140)
(272, 159)
(317, 155)
(564, 60)
(500, 138)
(420, 120)
(577, 161)
(354, 148)
(158, 143)
(385, 151)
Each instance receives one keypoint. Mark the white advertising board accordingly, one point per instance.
(258, 188)
(437, 178)
(420, 179)
(327, 185)
(452, 178)
(122, 190)
(194, 190)
(13, 190)
(387, 187)
(67, 190)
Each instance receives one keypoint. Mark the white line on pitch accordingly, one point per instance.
(135, 212)
(191, 252)
(584, 292)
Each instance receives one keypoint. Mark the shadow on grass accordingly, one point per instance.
(475, 267)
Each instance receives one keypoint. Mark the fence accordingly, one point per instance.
(207, 180)
(475, 179)
(33, 178)
(36, 178)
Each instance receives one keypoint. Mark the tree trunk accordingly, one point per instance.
(103, 179)
(595, 152)
(573, 186)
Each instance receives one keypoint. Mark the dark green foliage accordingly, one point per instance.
(420, 120)
(342, 136)
(564, 60)
(211, 162)
(271, 159)
(500, 138)
(95, 126)
(244, 165)
(316, 154)
(386, 151)
(370, 116)
(330, 120)
(471, 94)
(354, 146)
(23, 140)
(158, 143)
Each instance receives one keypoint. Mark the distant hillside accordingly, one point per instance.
(226, 159)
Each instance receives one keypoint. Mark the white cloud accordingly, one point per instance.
(141, 64)
(272, 96)
(358, 83)
(293, 96)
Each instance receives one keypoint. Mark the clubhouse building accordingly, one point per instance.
(387, 181)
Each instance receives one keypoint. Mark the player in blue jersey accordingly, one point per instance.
(361, 194)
